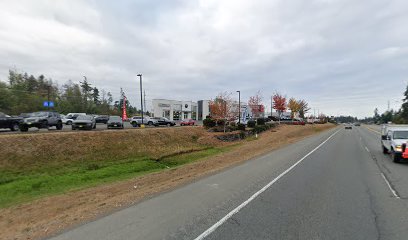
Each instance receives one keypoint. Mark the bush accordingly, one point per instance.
(260, 121)
(260, 128)
(251, 123)
(241, 127)
(209, 123)
(220, 122)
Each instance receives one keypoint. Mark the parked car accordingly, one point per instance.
(84, 122)
(115, 122)
(137, 121)
(162, 121)
(102, 119)
(41, 120)
(68, 119)
(188, 122)
(7, 121)
(24, 115)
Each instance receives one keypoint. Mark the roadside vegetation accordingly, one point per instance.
(37, 165)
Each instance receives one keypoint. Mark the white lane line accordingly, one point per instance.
(237, 209)
(366, 149)
(390, 187)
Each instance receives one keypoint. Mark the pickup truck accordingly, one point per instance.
(393, 141)
(13, 123)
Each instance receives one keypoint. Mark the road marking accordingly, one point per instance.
(242, 205)
(373, 130)
(390, 187)
(366, 149)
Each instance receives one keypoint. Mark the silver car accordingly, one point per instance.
(84, 122)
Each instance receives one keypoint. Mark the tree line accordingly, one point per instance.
(24, 93)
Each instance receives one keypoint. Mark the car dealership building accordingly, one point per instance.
(180, 110)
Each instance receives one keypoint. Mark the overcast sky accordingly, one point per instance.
(342, 56)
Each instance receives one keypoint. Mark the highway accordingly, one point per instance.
(334, 185)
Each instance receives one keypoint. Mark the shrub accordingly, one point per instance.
(251, 123)
(209, 123)
(260, 121)
(221, 122)
(241, 127)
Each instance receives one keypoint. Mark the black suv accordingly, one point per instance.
(10, 122)
(102, 119)
(164, 121)
(41, 120)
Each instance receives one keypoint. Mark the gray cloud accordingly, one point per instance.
(343, 56)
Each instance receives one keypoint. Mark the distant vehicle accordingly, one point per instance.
(348, 126)
(115, 122)
(102, 119)
(393, 141)
(84, 122)
(165, 121)
(188, 122)
(136, 121)
(41, 120)
(13, 123)
(357, 124)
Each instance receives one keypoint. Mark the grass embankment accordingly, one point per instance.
(38, 165)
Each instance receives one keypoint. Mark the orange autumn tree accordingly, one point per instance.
(294, 107)
(221, 108)
(255, 103)
(279, 103)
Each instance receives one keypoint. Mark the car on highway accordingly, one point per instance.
(136, 121)
(348, 126)
(188, 122)
(102, 119)
(114, 122)
(84, 122)
(13, 123)
(162, 121)
(357, 124)
(393, 142)
(41, 119)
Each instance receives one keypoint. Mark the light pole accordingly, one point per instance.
(239, 107)
(141, 94)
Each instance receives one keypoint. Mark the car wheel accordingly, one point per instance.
(15, 127)
(168, 124)
(385, 150)
(134, 124)
(59, 126)
(69, 122)
(150, 123)
(395, 158)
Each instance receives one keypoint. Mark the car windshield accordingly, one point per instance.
(115, 118)
(400, 135)
(39, 114)
(84, 117)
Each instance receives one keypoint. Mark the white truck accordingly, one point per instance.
(393, 139)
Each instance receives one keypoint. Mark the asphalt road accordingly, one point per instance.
(334, 185)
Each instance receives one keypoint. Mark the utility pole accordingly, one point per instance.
(141, 95)
(239, 107)
(271, 105)
(144, 98)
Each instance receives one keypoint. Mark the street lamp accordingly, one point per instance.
(141, 95)
(239, 107)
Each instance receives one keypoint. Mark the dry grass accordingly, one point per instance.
(30, 152)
